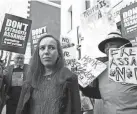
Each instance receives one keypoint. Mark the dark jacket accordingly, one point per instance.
(8, 75)
(72, 100)
(91, 91)
(2, 93)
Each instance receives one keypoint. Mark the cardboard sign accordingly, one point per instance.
(88, 69)
(129, 21)
(93, 22)
(95, 12)
(123, 65)
(14, 34)
(68, 52)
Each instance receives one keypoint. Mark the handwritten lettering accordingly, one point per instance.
(120, 73)
(88, 60)
(89, 69)
(70, 62)
(123, 65)
(66, 54)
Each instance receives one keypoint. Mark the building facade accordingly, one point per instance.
(45, 16)
(85, 23)
(95, 18)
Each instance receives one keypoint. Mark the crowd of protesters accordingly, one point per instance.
(46, 86)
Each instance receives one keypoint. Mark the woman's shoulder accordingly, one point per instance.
(66, 70)
(68, 74)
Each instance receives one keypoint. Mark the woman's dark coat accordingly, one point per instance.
(72, 102)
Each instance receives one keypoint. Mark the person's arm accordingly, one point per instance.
(6, 82)
(91, 91)
(75, 96)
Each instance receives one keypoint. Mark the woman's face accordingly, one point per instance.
(48, 51)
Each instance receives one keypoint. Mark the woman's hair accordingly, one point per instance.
(36, 68)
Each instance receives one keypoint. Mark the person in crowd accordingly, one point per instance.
(2, 87)
(118, 98)
(14, 77)
(51, 88)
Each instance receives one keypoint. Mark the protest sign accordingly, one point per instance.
(14, 34)
(95, 12)
(88, 69)
(36, 34)
(129, 21)
(123, 65)
(68, 52)
(95, 26)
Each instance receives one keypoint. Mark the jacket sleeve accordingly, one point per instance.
(75, 96)
(24, 98)
(7, 72)
(91, 91)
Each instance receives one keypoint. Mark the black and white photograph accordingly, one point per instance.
(68, 56)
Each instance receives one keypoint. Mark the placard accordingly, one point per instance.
(123, 65)
(14, 33)
(129, 21)
(88, 69)
(68, 52)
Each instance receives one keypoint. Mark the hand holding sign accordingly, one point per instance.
(88, 69)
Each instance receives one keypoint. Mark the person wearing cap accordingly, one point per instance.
(118, 98)
(15, 75)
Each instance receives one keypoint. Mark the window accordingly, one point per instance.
(87, 4)
(70, 19)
